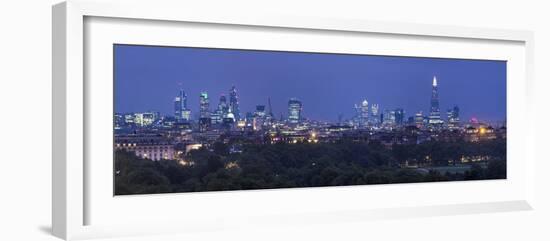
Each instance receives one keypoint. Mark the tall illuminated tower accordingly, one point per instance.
(234, 103)
(181, 112)
(294, 111)
(222, 106)
(204, 105)
(435, 115)
(375, 116)
(399, 116)
(364, 113)
(221, 112)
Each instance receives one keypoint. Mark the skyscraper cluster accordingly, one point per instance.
(224, 109)
(367, 115)
(228, 111)
(396, 117)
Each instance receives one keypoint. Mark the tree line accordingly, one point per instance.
(283, 165)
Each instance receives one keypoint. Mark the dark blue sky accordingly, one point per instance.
(149, 77)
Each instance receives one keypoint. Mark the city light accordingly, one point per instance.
(186, 163)
(221, 131)
(482, 131)
(226, 123)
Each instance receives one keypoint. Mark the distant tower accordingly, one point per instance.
(179, 104)
(375, 113)
(204, 105)
(399, 116)
(269, 108)
(453, 117)
(435, 115)
(259, 117)
(357, 118)
(223, 107)
(221, 112)
(181, 112)
(388, 118)
(234, 103)
(260, 111)
(364, 113)
(419, 120)
(204, 112)
(294, 111)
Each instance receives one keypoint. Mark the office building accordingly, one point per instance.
(234, 103)
(434, 119)
(294, 111)
(181, 112)
(204, 105)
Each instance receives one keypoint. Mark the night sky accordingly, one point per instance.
(147, 78)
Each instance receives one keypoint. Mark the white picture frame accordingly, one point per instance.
(73, 193)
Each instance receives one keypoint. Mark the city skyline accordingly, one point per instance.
(138, 62)
(244, 120)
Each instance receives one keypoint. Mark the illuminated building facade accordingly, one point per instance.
(119, 121)
(375, 113)
(259, 117)
(480, 133)
(453, 118)
(151, 147)
(434, 118)
(388, 117)
(399, 116)
(181, 112)
(223, 108)
(294, 111)
(204, 105)
(260, 111)
(419, 120)
(221, 112)
(145, 118)
(234, 103)
(364, 113)
(204, 112)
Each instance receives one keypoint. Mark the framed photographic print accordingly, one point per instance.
(300, 119)
(206, 122)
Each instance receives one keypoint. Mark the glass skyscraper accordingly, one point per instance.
(294, 111)
(181, 112)
(234, 103)
(364, 117)
(399, 116)
(453, 117)
(204, 105)
(435, 114)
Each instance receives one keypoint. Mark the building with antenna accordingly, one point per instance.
(434, 119)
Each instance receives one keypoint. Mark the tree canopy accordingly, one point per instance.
(282, 165)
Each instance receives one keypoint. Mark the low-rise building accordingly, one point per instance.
(153, 147)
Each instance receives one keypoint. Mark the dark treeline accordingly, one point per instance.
(307, 165)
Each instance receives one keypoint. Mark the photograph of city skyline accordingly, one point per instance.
(190, 119)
